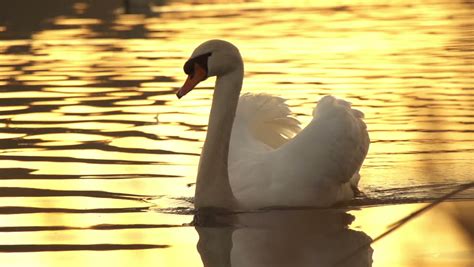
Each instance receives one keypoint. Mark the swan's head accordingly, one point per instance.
(211, 58)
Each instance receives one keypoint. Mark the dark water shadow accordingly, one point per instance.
(9, 229)
(27, 210)
(280, 238)
(75, 247)
(72, 159)
(26, 173)
(23, 18)
(35, 192)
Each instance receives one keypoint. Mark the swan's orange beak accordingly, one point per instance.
(193, 79)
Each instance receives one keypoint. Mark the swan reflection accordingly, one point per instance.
(277, 238)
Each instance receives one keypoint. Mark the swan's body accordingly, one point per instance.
(258, 157)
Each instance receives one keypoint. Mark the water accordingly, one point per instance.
(99, 158)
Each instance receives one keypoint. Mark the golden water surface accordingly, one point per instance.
(98, 157)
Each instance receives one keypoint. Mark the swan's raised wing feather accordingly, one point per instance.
(268, 118)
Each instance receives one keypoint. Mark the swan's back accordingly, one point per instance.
(346, 137)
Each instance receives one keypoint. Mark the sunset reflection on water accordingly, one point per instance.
(93, 135)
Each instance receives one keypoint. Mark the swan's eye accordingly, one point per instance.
(201, 60)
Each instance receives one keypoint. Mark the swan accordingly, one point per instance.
(255, 155)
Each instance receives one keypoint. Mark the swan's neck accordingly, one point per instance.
(212, 185)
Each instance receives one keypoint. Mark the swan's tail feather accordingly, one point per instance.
(268, 118)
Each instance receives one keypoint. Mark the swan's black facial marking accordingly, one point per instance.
(201, 60)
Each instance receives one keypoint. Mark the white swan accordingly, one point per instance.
(270, 162)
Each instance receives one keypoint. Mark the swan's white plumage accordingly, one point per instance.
(272, 164)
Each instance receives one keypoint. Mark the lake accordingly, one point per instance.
(99, 158)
